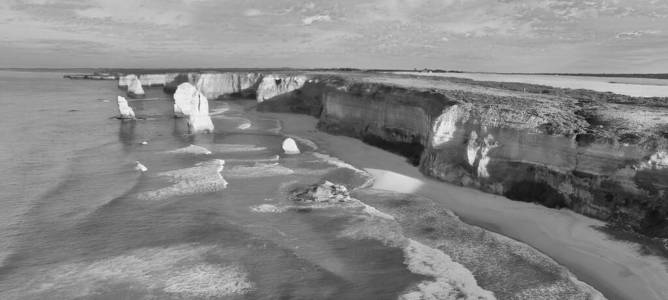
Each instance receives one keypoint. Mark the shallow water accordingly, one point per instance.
(79, 221)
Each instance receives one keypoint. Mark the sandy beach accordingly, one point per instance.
(615, 268)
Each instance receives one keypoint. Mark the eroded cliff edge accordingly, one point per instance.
(599, 154)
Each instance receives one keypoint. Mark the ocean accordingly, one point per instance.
(210, 219)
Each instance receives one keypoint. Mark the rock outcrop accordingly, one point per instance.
(290, 146)
(601, 158)
(189, 102)
(321, 192)
(273, 85)
(135, 89)
(215, 85)
(156, 79)
(124, 110)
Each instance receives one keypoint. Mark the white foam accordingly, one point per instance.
(267, 208)
(451, 279)
(233, 148)
(247, 124)
(258, 170)
(192, 149)
(205, 177)
(272, 159)
(180, 270)
(341, 164)
(207, 280)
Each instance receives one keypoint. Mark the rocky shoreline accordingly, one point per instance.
(599, 154)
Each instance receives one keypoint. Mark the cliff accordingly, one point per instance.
(215, 85)
(600, 156)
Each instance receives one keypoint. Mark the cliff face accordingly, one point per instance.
(214, 85)
(602, 159)
(273, 85)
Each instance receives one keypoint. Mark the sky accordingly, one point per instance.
(620, 36)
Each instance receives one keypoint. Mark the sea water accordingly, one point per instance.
(78, 221)
(209, 217)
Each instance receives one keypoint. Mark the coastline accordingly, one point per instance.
(613, 267)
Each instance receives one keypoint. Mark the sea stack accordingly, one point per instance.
(290, 147)
(135, 89)
(124, 110)
(189, 102)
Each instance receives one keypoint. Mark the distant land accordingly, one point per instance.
(343, 69)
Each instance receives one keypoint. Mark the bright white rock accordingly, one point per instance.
(135, 90)
(124, 110)
(188, 101)
(290, 146)
(139, 167)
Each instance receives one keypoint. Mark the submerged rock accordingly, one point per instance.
(124, 110)
(274, 85)
(135, 89)
(189, 102)
(322, 192)
(290, 146)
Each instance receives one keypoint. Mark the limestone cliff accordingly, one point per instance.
(215, 85)
(157, 79)
(603, 159)
(274, 84)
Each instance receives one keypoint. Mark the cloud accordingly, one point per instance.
(252, 12)
(315, 19)
(629, 35)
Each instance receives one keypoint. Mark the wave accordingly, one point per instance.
(182, 271)
(509, 268)
(192, 149)
(304, 141)
(341, 164)
(232, 148)
(451, 280)
(258, 170)
(205, 177)
(274, 158)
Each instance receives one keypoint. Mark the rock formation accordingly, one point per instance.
(321, 192)
(139, 167)
(124, 80)
(156, 79)
(124, 110)
(603, 156)
(215, 85)
(290, 146)
(135, 89)
(189, 102)
(273, 85)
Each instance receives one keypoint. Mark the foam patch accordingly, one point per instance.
(205, 177)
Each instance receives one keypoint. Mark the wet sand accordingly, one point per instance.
(615, 268)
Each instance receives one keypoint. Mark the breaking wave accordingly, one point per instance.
(192, 149)
(180, 270)
(205, 177)
(233, 148)
(257, 170)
